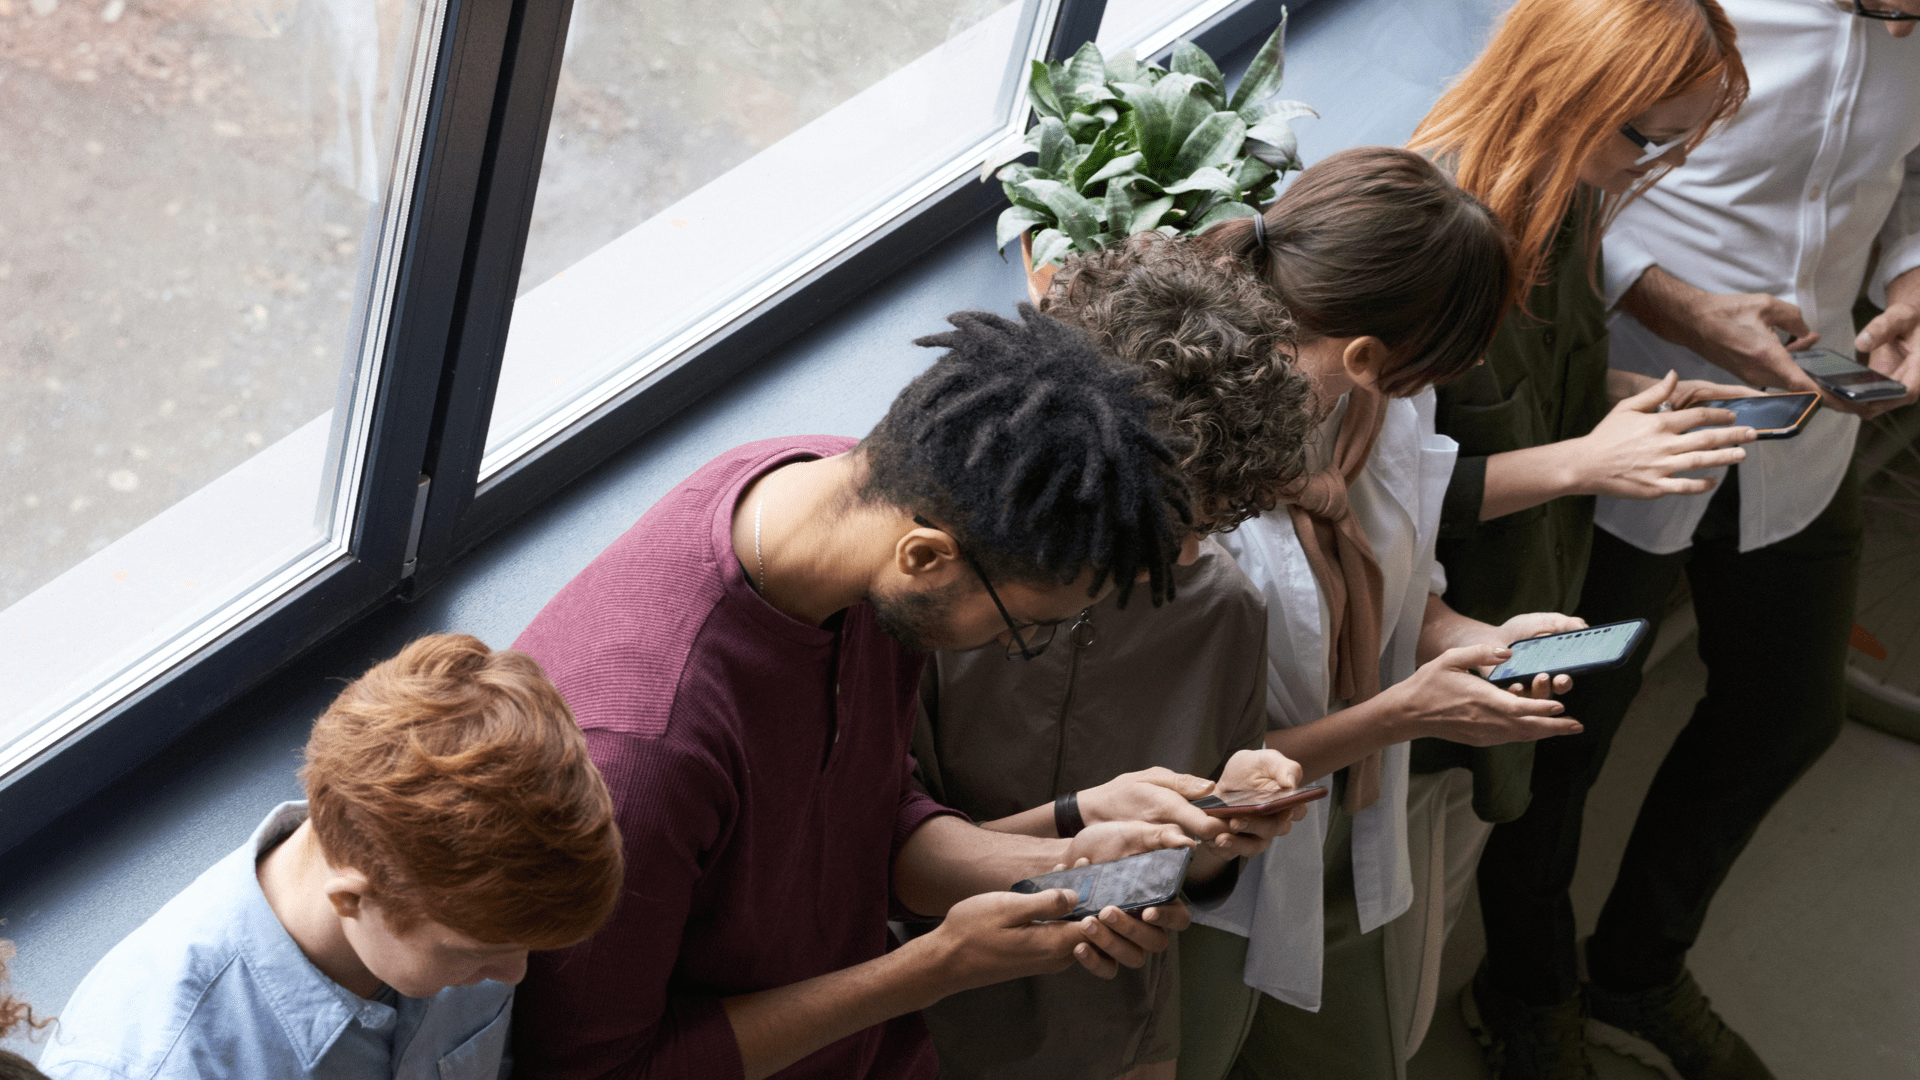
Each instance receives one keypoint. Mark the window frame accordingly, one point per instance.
(419, 504)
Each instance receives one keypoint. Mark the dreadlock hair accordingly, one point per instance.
(1215, 345)
(1037, 454)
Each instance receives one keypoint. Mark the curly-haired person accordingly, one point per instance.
(453, 822)
(1155, 698)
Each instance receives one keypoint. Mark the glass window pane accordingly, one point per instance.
(195, 219)
(1147, 26)
(704, 152)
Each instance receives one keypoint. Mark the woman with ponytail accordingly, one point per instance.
(1575, 108)
(1324, 960)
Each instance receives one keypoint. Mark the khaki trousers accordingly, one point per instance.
(1378, 990)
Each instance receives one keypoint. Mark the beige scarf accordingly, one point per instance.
(1342, 559)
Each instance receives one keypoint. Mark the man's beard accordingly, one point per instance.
(913, 619)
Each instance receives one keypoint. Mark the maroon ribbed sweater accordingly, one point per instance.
(760, 771)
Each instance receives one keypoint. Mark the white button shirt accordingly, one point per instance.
(1786, 200)
(1278, 901)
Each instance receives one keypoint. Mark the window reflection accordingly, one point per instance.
(190, 225)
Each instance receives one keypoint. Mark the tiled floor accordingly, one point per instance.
(1812, 950)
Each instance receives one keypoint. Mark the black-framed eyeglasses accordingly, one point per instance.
(1029, 639)
(1882, 14)
(1651, 151)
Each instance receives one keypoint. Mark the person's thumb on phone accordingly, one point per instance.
(1654, 396)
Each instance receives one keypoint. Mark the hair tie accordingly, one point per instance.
(1259, 252)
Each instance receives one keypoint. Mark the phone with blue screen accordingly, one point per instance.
(1573, 653)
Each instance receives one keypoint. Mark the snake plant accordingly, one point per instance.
(1123, 147)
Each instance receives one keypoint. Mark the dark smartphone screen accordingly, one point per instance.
(1132, 883)
(1855, 382)
(1255, 803)
(1772, 416)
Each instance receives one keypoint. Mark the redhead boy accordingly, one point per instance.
(453, 822)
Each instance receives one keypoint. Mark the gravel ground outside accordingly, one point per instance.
(188, 185)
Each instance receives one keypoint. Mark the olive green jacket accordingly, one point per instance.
(1545, 380)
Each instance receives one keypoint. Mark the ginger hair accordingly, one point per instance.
(455, 779)
(1558, 79)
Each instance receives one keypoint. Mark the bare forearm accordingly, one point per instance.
(1518, 479)
(1339, 739)
(775, 1028)
(947, 860)
(1035, 822)
(1663, 304)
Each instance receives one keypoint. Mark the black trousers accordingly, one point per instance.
(1774, 624)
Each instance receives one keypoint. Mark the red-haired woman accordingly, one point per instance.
(1574, 108)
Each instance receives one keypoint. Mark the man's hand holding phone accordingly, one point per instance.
(1892, 342)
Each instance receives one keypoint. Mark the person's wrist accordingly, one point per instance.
(1392, 713)
(1566, 466)
(1208, 862)
(1068, 820)
(929, 967)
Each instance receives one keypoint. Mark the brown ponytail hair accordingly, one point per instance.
(1377, 241)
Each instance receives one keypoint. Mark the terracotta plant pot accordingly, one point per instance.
(1038, 281)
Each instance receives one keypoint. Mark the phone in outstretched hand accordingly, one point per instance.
(1575, 652)
(1130, 884)
(1235, 804)
(1771, 416)
(1845, 379)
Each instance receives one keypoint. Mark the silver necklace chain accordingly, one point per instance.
(759, 562)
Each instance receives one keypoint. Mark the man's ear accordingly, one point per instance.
(927, 554)
(347, 891)
(1365, 359)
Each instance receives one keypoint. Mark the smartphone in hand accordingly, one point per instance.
(1847, 380)
(1577, 651)
(1130, 884)
(1233, 804)
(1771, 416)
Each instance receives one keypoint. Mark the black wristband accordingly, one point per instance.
(1066, 815)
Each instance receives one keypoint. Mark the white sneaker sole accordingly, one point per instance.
(1601, 1033)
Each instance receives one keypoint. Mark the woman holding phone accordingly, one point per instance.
(1574, 108)
(1323, 961)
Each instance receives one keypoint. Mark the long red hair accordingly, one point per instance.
(1559, 78)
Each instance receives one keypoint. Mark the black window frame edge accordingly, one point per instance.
(461, 513)
(496, 74)
(136, 728)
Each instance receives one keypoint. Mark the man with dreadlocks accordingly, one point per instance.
(1153, 699)
(744, 662)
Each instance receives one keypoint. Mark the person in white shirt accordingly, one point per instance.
(1397, 279)
(1770, 226)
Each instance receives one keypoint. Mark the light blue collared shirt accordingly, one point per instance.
(213, 987)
